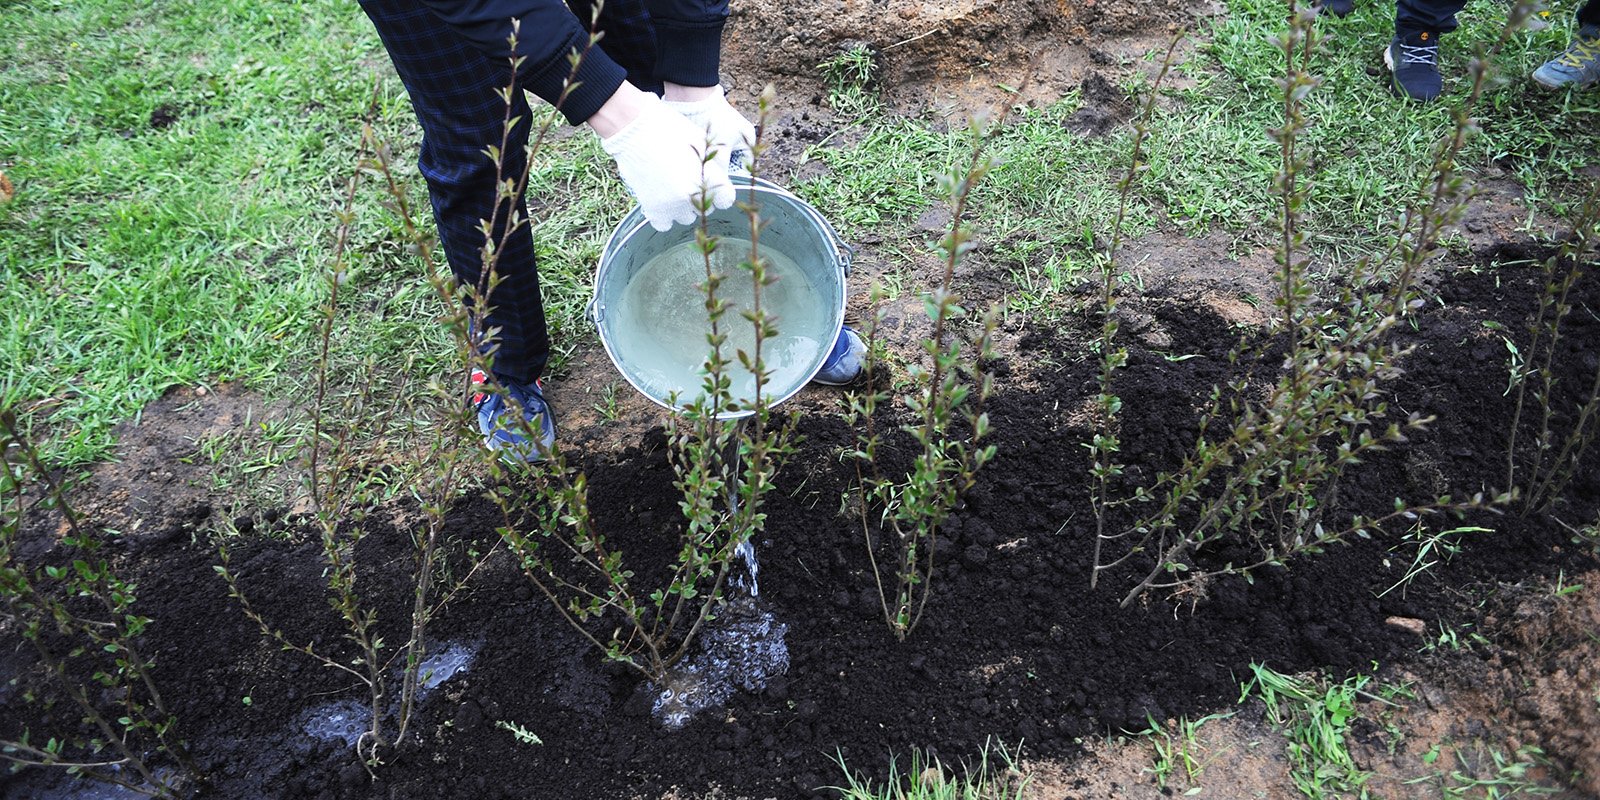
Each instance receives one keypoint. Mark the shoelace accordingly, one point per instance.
(1419, 53)
(1583, 50)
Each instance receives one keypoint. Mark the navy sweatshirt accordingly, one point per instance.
(688, 45)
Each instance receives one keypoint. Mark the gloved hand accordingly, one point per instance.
(659, 155)
(729, 131)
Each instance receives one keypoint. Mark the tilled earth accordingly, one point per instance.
(1014, 646)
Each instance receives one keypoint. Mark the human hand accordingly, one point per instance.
(727, 130)
(660, 156)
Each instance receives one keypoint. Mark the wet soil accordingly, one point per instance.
(1014, 647)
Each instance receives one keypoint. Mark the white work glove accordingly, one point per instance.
(727, 129)
(659, 158)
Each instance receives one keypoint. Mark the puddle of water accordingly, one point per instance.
(346, 720)
(340, 720)
(445, 663)
(743, 648)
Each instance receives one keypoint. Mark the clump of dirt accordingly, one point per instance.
(927, 51)
(1104, 106)
(1542, 677)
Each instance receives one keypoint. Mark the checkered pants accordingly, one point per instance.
(453, 91)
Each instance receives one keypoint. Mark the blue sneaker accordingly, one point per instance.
(503, 432)
(1576, 68)
(845, 363)
(1338, 8)
(1413, 62)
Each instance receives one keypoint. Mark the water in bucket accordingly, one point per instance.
(665, 319)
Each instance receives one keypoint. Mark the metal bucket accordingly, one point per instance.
(633, 315)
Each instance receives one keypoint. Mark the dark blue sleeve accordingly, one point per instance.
(688, 39)
(549, 33)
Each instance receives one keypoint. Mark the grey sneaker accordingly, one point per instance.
(1576, 68)
(846, 361)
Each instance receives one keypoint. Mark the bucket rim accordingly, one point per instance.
(634, 222)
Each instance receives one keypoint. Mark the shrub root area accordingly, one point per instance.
(1014, 647)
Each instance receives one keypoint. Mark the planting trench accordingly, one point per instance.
(1014, 647)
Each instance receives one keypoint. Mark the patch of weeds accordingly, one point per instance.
(1429, 550)
(1179, 753)
(928, 779)
(852, 80)
(1487, 773)
(1455, 638)
(1314, 716)
(607, 406)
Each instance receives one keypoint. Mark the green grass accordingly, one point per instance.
(994, 777)
(138, 257)
(1210, 163)
(1315, 717)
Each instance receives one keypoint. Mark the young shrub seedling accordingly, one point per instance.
(1271, 473)
(1104, 444)
(1551, 458)
(724, 468)
(946, 395)
(77, 616)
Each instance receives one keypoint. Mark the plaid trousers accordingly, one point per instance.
(453, 89)
(1414, 16)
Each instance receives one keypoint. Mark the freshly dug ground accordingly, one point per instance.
(1014, 647)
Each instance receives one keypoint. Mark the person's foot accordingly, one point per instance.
(1338, 8)
(516, 422)
(1413, 62)
(1576, 68)
(845, 363)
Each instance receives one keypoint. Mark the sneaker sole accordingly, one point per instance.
(835, 383)
(1558, 85)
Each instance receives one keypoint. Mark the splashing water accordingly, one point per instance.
(747, 551)
(743, 648)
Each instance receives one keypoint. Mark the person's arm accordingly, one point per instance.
(688, 42)
(549, 33)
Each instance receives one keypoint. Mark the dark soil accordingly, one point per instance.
(1014, 647)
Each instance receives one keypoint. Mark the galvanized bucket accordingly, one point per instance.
(625, 319)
